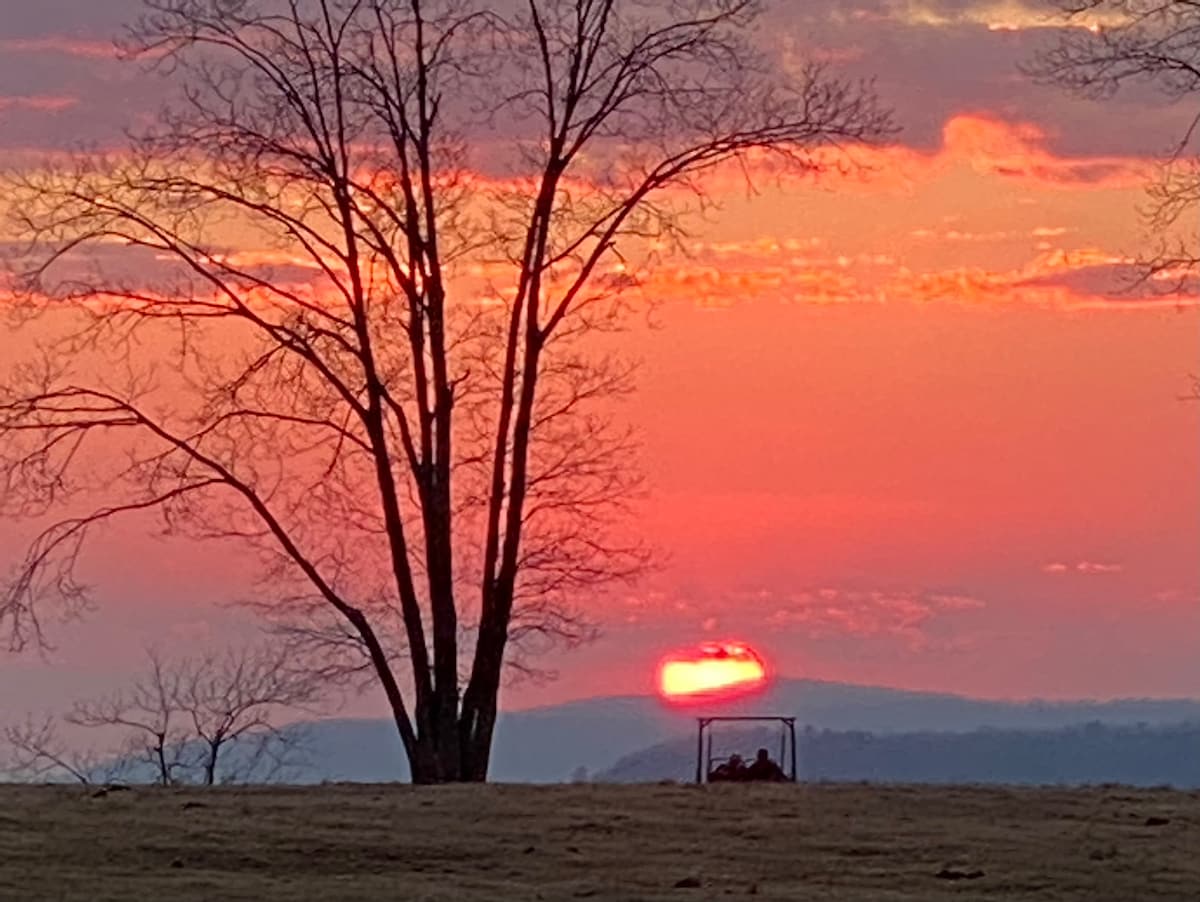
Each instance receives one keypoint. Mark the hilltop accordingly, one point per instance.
(549, 744)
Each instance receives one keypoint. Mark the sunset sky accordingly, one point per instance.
(907, 425)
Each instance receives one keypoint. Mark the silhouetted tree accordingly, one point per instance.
(36, 752)
(148, 715)
(335, 307)
(178, 721)
(1156, 42)
(234, 698)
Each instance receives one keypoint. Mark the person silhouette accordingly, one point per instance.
(732, 770)
(764, 769)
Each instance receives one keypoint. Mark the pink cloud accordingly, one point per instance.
(982, 142)
(1018, 150)
(1183, 598)
(997, 15)
(719, 276)
(917, 619)
(60, 44)
(39, 102)
(872, 614)
(1088, 567)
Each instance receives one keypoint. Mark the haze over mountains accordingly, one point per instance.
(1089, 754)
(551, 744)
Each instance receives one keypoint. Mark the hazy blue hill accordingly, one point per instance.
(1091, 753)
(543, 745)
(839, 706)
(548, 744)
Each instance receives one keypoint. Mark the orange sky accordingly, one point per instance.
(900, 427)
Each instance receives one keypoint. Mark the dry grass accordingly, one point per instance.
(604, 843)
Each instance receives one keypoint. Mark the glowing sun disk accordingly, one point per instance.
(717, 669)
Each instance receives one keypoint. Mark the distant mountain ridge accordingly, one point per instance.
(549, 744)
(1089, 754)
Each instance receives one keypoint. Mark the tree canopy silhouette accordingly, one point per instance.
(344, 303)
(1156, 43)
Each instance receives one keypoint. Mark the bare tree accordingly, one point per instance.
(196, 720)
(346, 305)
(1157, 43)
(235, 699)
(38, 753)
(148, 716)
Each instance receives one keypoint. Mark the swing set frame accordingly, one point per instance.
(787, 742)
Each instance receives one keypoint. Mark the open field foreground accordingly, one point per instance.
(604, 843)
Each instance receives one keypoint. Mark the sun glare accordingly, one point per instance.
(717, 670)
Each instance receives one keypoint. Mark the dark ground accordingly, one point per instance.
(599, 842)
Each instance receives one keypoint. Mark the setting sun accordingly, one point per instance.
(717, 669)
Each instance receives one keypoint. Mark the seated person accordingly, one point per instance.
(764, 769)
(731, 770)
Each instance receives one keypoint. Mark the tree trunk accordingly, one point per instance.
(423, 764)
(477, 747)
(210, 765)
(463, 754)
(478, 721)
(461, 757)
(164, 772)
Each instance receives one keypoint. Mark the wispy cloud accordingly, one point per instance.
(917, 619)
(994, 15)
(1181, 598)
(46, 103)
(1086, 567)
(832, 613)
(982, 144)
(60, 44)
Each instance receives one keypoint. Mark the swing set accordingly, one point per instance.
(707, 763)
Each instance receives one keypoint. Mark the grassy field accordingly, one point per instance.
(604, 843)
